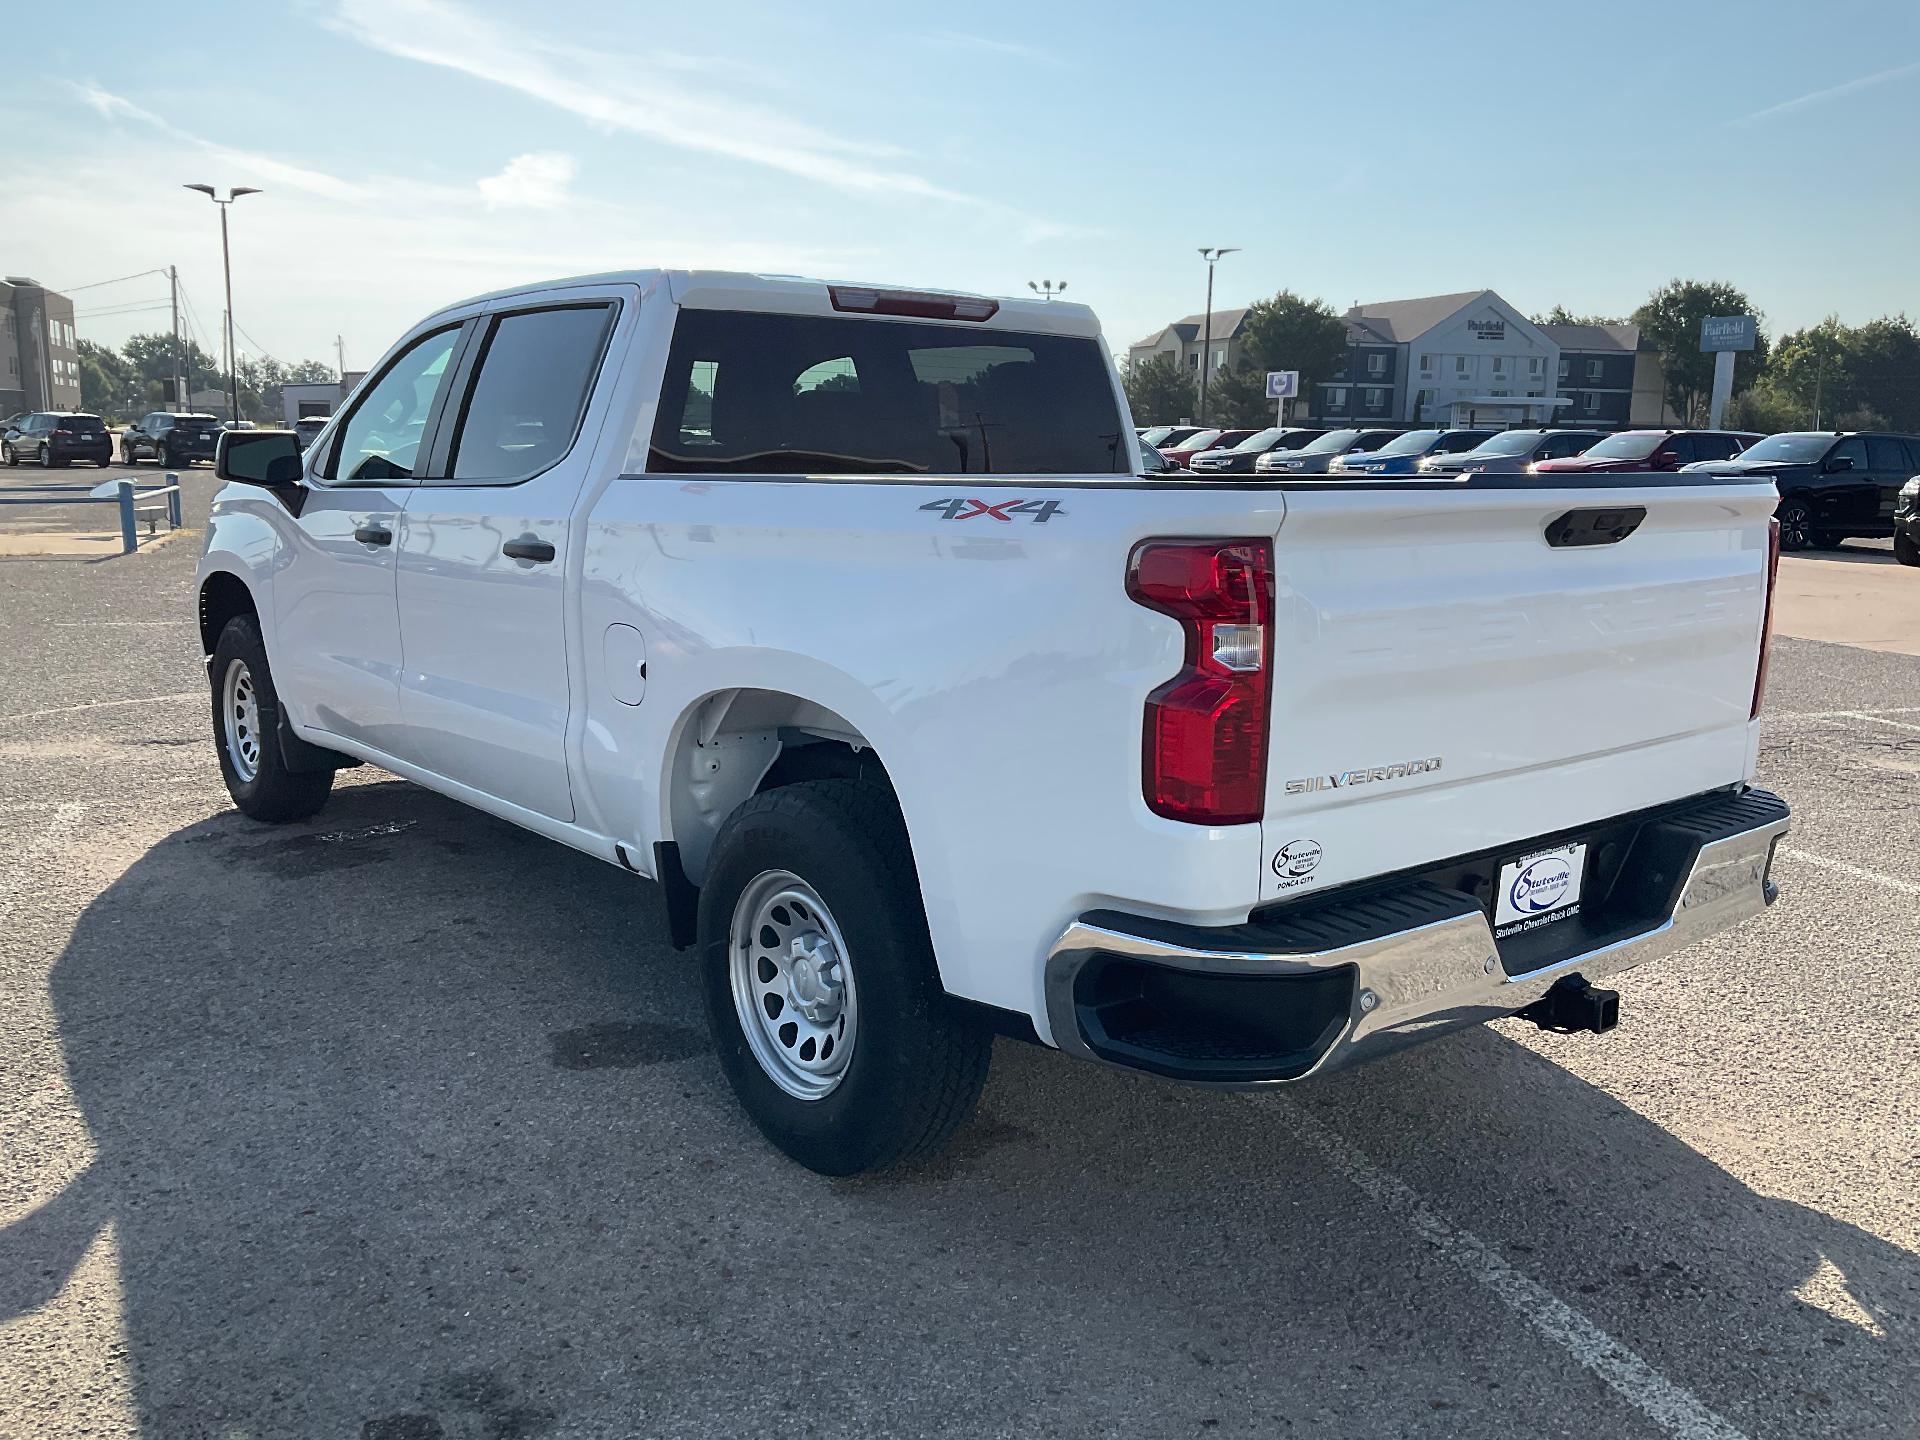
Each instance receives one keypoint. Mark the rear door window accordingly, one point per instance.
(529, 393)
(1885, 453)
(792, 394)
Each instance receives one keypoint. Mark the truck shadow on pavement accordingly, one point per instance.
(405, 1127)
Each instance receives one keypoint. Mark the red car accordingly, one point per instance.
(1183, 453)
(1640, 450)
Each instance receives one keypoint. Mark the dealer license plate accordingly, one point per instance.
(1539, 889)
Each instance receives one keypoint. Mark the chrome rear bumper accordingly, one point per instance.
(1353, 980)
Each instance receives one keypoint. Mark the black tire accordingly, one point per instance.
(1906, 550)
(8, 457)
(1797, 530)
(264, 789)
(917, 1062)
(127, 455)
(166, 458)
(46, 458)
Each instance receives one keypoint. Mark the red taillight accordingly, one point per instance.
(67, 433)
(914, 303)
(1204, 754)
(1766, 619)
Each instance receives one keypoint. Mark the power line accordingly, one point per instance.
(135, 308)
(258, 347)
(96, 284)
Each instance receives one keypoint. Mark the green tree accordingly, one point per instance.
(1560, 315)
(1883, 364)
(1290, 332)
(1237, 397)
(151, 357)
(108, 385)
(1671, 320)
(1160, 391)
(1768, 407)
(1811, 369)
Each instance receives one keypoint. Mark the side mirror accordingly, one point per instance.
(1666, 460)
(267, 458)
(258, 457)
(1839, 464)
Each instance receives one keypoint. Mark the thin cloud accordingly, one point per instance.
(541, 181)
(1832, 92)
(961, 40)
(441, 33)
(241, 164)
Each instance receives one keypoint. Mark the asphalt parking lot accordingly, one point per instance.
(400, 1124)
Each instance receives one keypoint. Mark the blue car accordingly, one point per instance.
(1402, 455)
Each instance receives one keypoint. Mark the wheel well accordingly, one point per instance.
(738, 743)
(221, 598)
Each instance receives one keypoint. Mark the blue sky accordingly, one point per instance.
(415, 151)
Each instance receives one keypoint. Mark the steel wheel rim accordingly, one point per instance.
(1796, 531)
(793, 985)
(240, 718)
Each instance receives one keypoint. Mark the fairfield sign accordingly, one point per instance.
(1487, 329)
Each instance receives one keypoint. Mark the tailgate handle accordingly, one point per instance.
(1595, 527)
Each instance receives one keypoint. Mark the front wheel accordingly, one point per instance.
(822, 993)
(7, 457)
(246, 720)
(1906, 550)
(1796, 525)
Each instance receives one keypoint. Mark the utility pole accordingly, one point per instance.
(179, 386)
(340, 359)
(1211, 254)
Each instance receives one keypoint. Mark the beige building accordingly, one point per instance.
(1185, 339)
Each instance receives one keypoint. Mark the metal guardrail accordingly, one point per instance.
(122, 493)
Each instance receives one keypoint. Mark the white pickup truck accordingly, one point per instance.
(846, 615)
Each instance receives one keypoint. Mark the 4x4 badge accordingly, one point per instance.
(1039, 511)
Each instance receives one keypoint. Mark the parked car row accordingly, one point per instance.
(1834, 486)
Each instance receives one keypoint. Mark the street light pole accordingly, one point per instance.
(1211, 254)
(226, 266)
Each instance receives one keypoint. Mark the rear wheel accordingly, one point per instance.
(166, 458)
(246, 721)
(7, 457)
(1796, 525)
(1906, 550)
(822, 994)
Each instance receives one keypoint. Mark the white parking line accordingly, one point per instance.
(104, 705)
(1880, 720)
(1891, 882)
(1671, 1406)
(1840, 714)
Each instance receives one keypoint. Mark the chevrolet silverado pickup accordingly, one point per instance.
(846, 615)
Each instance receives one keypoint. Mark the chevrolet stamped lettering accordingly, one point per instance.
(1309, 784)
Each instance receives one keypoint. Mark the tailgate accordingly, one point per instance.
(1445, 681)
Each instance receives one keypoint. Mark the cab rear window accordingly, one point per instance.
(792, 394)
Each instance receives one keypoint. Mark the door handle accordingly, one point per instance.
(538, 551)
(373, 535)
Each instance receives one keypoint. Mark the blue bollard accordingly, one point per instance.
(129, 542)
(173, 502)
